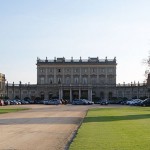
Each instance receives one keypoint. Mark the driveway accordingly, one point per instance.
(43, 127)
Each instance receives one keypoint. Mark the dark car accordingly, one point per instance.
(146, 102)
(104, 102)
(79, 102)
(30, 101)
(97, 102)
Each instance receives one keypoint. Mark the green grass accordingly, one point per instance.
(8, 110)
(114, 129)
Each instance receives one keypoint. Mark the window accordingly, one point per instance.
(51, 80)
(93, 80)
(84, 80)
(84, 70)
(68, 80)
(32, 92)
(111, 79)
(24, 92)
(10, 92)
(120, 94)
(50, 70)
(102, 70)
(59, 80)
(102, 79)
(67, 70)
(110, 70)
(59, 70)
(76, 70)
(93, 70)
(41, 70)
(76, 80)
(42, 80)
(17, 92)
(128, 92)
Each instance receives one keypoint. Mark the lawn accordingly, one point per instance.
(125, 128)
(8, 110)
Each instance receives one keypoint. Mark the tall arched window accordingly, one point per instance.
(76, 80)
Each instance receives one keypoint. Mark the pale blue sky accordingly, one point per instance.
(73, 28)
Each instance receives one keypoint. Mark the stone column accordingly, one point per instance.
(61, 90)
(90, 94)
(79, 93)
(59, 93)
(70, 95)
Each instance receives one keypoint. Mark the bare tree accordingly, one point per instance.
(147, 63)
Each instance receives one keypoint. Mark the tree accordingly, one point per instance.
(147, 63)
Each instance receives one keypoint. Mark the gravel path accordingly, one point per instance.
(44, 127)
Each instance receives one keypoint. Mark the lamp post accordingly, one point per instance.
(7, 89)
(20, 89)
(138, 89)
(124, 89)
(131, 90)
(28, 89)
(13, 90)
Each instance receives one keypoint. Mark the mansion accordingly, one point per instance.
(91, 78)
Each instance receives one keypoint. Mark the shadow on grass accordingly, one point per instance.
(116, 118)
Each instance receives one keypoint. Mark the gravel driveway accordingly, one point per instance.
(44, 127)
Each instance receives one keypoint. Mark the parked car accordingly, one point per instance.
(13, 102)
(45, 102)
(38, 101)
(6, 102)
(82, 102)
(104, 102)
(1, 102)
(136, 102)
(30, 101)
(24, 101)
(146, 102)
(79, 102)
(97, 102)
(88, 102)
(54, 102)
(123, 102)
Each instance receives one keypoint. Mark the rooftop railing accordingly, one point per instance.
(92, 60)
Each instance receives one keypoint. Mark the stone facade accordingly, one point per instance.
(2, 85)
(91, 78)
(76, 78)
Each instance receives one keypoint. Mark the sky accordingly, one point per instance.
(74, 28)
